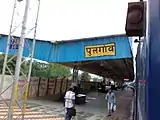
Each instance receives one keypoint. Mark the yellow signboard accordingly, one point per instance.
(108, 49)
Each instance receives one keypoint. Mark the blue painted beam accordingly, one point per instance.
(71, 51)
(42, 48)
(75, 50)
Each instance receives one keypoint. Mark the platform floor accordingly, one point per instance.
(94, 109)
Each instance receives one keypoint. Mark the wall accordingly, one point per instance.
(54, 89)
(51, 89)
(38, 88)
(44, 88)
(7, 82)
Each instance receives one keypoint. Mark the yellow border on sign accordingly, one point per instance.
(108, 49)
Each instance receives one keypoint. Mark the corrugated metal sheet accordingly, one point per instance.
(73, 50)
(42, 48)
(89, 38)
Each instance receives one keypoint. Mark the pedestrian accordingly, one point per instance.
(70, 104)
(111, 101)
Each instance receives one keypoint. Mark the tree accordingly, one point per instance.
(57, 70)
(12, 64)
(49, 70)
(85, 76)
(38, 69)
(95, 79)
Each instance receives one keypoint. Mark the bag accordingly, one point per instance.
(73, 112)
(114, 108)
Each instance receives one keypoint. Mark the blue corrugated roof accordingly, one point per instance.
(73, 50)
(89, 38)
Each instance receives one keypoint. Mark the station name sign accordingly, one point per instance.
(107, 49)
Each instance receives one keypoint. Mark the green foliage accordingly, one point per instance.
(38, 69)
(85, 76)
(56, 70)
(12, 65)
(49, 70)
(96, 79)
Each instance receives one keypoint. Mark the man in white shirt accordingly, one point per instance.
(111, 101)
(70, 103)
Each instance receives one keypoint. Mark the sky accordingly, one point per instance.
(67, 19)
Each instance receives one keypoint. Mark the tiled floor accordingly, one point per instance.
(29, 113)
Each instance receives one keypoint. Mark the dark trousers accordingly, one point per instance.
(68, 114)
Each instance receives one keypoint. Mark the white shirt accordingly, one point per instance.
(111, 97)
(69, 97)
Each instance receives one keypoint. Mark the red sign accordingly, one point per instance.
(126, 79)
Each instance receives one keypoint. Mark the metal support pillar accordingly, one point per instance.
(14, 85)
(31, 61)
(138, 77)
(75, 74)
(7, 47)
(18, 62)
(15, 90)
(104, 79)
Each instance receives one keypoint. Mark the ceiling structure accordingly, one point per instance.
(107, 56)
(117, 69)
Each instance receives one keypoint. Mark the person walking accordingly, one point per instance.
(70, 104)
(111, 101)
